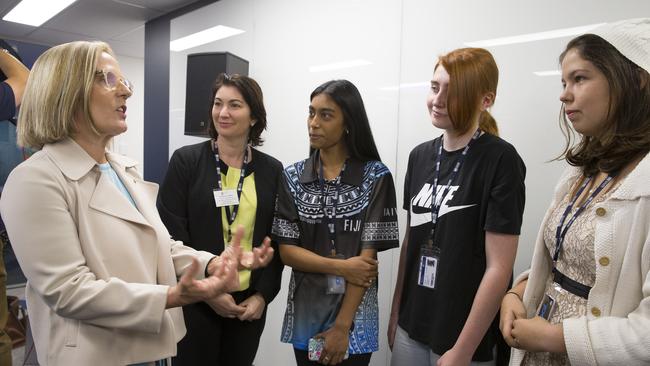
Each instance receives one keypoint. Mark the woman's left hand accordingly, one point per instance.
(254, 305)
(336, 345)
(538, 335)
(259, 256)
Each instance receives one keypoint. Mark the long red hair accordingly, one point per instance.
(472, 74)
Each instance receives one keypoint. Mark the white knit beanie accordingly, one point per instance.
(630, 37)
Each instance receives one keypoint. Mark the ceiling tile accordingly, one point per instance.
(118, 22)
(164, 6)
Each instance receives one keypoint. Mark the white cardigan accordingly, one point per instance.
(616, 329)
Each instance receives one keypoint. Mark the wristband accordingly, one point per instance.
(516, 294)
(205, 272)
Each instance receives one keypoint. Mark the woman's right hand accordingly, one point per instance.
(188, 290)
(360, 271)
(511, 308)
(225, 306)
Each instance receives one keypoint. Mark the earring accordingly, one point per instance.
(347, 132)
(253, 123)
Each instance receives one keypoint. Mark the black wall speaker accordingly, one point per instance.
(202, 71)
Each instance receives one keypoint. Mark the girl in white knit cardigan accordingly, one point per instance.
(586, 298)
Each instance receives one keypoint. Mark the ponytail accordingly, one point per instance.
(487, 123)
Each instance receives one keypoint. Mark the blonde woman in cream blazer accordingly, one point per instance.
(101, 268)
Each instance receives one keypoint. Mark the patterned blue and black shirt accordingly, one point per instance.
(365, 218)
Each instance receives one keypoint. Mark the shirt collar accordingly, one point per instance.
(352, 175)
(74, 162)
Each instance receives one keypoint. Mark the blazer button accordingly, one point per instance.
(595, 311)
(601, 211)
(604, 261)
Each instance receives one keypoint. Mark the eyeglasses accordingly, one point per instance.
(111, 80)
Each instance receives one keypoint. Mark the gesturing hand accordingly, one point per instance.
(189, 290)
(360, 271)
(258, 257)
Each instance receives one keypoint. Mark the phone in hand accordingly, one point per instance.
(315, 348)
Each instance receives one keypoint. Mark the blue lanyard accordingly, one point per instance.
(561, 230)
(435, 206)
(331, 215)
(230, 216)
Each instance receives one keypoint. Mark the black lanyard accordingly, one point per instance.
(435, 206)
(230, 216)
(331, 229)
(561, 230)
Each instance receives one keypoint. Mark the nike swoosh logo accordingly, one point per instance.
(448, 209)
(418, 219)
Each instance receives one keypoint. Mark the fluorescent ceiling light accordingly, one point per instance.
(418, 85)
(203, 37)
(531, 37)
(339, 65)
(36, 12)
(548, 73)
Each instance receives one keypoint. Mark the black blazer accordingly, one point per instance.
(186, 207)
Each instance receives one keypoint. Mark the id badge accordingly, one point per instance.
(226, 197)
(335, 284)
(428, 270)
(547, 307)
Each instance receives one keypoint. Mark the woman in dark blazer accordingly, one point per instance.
(210, 188)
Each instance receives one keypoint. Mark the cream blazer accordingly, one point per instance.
(616, 328)
(98, 269)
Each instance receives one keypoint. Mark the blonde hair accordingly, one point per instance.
(58, 89)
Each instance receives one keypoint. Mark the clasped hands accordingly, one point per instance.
(222, 270)
(360, 271)
(535, 334)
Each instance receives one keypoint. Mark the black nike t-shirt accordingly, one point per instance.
(487, 195)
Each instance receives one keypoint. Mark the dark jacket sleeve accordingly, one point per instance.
(172, 198)
(270, 277)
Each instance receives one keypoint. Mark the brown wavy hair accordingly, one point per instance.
(252, 93)
(626, 132)
(472, 73)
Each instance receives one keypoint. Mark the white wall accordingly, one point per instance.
(401, 39)
(131, 142)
